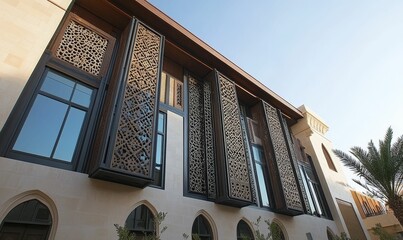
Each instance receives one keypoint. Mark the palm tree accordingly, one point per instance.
(381, 169)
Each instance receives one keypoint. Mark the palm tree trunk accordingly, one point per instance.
(396, 204)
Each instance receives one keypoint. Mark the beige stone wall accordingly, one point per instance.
(311, 132)
(27, 27)
(87, 208)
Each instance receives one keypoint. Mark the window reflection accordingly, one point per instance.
(160, 150)
(314, 192)
(258, 157)
(56, 118)
(201, 229)
(70, 134)
(40, 131)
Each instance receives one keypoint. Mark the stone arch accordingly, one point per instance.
(330, 234)
(249, 224)
(13, 202)
(282, 227)
(210, 220)
(145, 203)
(149, 207)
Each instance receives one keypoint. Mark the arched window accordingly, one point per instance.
(28, 220)
(328, 159)
(243, 231)
(201, 229)
(141, 222)
(330, 234)
(276, 231)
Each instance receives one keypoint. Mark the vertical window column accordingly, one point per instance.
(159, 167)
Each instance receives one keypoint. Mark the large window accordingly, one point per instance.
(316, 199)
(59, 112)
(201, 229)
(258, 159)
(28, 220)
(54, 118)
(261, 174)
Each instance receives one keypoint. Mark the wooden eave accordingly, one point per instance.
(195, 54)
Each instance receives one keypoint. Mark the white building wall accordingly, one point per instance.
(310, 131)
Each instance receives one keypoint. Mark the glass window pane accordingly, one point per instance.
(58, 85)
(42, 126)
(161, 122)
(163, 87)
(317, 198)
(257, 154)
(71, 131)
(158, 154)
(82, 95)
(158, 161)
(262, 185)
(309, 195)
(203, 227)
(243, 231)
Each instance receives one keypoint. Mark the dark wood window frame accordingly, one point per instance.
(316, 194)
(254, 141)
(141, 221)
(263, 164)
(29, 217)
(199, 222)
(243, 227)
(163, 134)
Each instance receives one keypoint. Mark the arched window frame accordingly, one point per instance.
(33, 195)
(280, 226)
(328, 158)
(330, 234)
(150, 226)
(240, 235)
(209, 220)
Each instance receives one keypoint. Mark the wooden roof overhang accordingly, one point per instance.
(187, 49)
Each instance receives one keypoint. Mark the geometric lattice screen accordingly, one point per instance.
(294, 160)
(133, 148)
(131, 138)
(283, 161)
(83, 48)
(201, 160)
(233, 175)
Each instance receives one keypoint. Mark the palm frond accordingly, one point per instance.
(381, 168)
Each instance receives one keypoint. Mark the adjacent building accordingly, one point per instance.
(111, 112)
(374, 212)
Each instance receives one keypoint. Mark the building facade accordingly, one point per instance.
(373, 212)
(111, 112)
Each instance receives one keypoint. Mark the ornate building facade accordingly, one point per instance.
(111, 112)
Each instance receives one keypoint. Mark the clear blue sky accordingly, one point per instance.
(343, 59)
